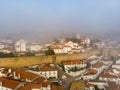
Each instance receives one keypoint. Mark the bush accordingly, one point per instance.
(29, 54)
(50, 52)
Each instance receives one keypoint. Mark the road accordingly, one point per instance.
(69, 78)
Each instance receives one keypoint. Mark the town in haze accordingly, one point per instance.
(59, 44)
(98, 71)
(68, 45)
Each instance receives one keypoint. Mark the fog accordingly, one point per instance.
(42, 20)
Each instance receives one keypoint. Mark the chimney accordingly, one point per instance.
(18, 76)
(26, 79)
(9, 70)
(14, 74)
(1, 83)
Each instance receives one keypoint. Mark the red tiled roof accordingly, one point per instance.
(46, 84)
(91, 72)
(9, 83)
(56, 48)
(24, 74)
(108, 75)
(40, 80)
(47, 69)
(57, 87)
(72, 62)
(31, 86)
(98, 64)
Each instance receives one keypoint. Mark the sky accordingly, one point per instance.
(45, 19)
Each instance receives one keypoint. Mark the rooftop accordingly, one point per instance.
(24, 74)
(108, 75)
(72, 62)
(98, 64)
(91, 72)
(30, 86)
(12, 84)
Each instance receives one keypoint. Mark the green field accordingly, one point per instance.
(18, 62)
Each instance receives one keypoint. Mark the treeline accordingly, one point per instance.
(4, 55)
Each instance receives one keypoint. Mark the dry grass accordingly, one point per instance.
(111, 52)
(78, 86)
(26, 61)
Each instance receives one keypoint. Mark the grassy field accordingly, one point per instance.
(18, 62)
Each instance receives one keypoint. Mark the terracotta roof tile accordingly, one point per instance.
(46, 84)
(25, 74)
(91, 72)
(9, 83)
(31, 86)
(72, 62)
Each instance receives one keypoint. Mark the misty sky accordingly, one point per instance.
(42, 19)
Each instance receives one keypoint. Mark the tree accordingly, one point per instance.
(75, 40)
(50, 52)
(56, 40)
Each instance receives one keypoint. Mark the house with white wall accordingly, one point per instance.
(91, 85)
(90, 74)
(117, 61)
(2, 46)
(58, 50)
(71, 44)
(108, 76)
(117, 66)
(67, 49)
(100, 66)
(47, 70)
(85, 40)
(74, 63)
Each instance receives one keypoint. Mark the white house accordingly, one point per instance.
(2, 46)
(47, 70)
(46, 85)
(100, 85)
(85, 40)
(58, 50)
(4, 72)
(108, 76)
(71, 44)
(67, 49)
(100, 66)
(74, 63)
(20, 46)
(117, 66)
(118, 61)
(90, 75)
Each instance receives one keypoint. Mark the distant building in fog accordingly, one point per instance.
(20, 46)
(2, 46)
(34, 47)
